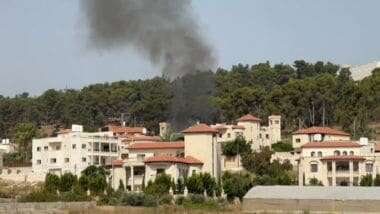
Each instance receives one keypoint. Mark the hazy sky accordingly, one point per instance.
(43, 42)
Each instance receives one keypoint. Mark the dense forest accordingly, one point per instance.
(304, 94)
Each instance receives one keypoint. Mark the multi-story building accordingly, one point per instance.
(331, 157)
(73, 151)
(199, 152)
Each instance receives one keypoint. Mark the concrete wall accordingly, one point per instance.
(312, 206)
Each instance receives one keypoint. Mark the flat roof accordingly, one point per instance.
(313, 192)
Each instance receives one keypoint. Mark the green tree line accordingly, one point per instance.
(304, 94)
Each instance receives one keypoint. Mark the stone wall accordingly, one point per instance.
(46, 207)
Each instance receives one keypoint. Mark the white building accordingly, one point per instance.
(73, 151)
(6, 146)
(359, 72)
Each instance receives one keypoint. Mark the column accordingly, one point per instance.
(132, 180)
(300, 174)
(333, 173)
(351, 173)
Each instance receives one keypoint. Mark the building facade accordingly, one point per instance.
(73, 151)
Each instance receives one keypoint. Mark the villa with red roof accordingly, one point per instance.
(200, 151)
(330, 156)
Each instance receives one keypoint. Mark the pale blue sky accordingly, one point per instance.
(43, 42)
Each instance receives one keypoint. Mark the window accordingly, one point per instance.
(160, 171)
(83, 159)
(220, 135)
(38, 162)
(352, 153)
(229, 135)
(267, 136)
(83, 146)
(74, 146)
(312, 154)
(260, 136)
(58, 148)
(276, 122)
(67, 160)
(140, 157)
(38, 149)
(344, 153)
(319, 154)
(314, 167)
(53, 160)
(336, 153)
(298, 140)
(46, 148)
(368, 167)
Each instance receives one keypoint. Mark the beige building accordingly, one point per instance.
(331, 157)
(303, 136)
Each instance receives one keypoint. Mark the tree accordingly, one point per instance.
(52, 182)
(121, 186)
(94, 178)
(366, 180)
(23, 135)
(67, 181)
(236, 184)
(282, 147)
(236, 147)
(194, 184)
(257, 162)
(209, 183)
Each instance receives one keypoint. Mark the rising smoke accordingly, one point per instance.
(165, 31)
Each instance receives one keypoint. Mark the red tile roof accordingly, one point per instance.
(330, 144)
(238, 127)
(321, 130)
(343, 157)
(200, 128)
(172, 159)
(117, 162)
(377, 147)
(157, 145)
(125, 130)
(220, 127)
(248, 117)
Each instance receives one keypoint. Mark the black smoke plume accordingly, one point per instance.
(165, 31)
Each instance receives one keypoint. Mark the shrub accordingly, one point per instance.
(67, 181)
(94, 178)
(315, 182)
(160, 186)
(83, 182)
(179, 200)
(282, 147)
(39, 196)
(52, 182)
(366, 180)
(138, 199)
(376, 182)
(197, 198)
(166, 199)
(194, 184)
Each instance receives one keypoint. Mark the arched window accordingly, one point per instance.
(351, 152)
(312, 154)
(344, 153)
(336, 153)
(319, 154)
